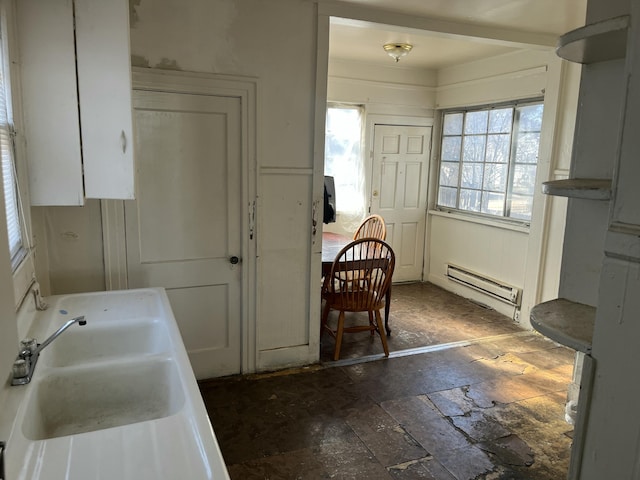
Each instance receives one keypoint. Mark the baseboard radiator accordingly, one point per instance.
(484, 284)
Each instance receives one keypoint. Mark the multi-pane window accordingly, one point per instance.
(488, 159)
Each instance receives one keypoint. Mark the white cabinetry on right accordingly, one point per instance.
(601, 257)
(611, 448)
(76, 96)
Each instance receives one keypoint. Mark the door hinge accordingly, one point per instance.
(252, 219)
(314, 220)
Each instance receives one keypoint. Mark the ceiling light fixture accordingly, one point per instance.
(397, 50)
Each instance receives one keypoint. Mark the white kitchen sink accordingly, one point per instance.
(98, 341)
(115, 398)
(79, 400)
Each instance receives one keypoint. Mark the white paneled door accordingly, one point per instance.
(183, 231)
(399, 192)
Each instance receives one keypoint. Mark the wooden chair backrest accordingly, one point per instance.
(372, 227)
(361, 274)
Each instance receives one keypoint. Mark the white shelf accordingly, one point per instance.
(598, 42)
(587, 188)
(566, 322)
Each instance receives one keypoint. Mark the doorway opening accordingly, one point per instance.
(410, 93)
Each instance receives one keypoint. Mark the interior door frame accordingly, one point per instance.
(373, 120)
(113, 217)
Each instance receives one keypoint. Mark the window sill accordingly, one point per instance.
(514, 226)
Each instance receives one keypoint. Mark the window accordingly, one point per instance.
(488, 159)
(8, 167)
(343, 161)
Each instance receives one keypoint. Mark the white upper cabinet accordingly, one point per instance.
(76, 90)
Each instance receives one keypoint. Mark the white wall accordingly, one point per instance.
(495, 251)
(73, 240)
(394, 90)
(275, 43)
(389, 95)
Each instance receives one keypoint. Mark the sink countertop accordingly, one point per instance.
(179, 445)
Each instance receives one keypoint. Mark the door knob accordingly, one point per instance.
(234, 260)
(375, 193)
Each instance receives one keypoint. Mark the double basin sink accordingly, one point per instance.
(119, 384)
(113, 371)
(103, 375)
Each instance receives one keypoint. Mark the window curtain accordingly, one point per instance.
(345, 163)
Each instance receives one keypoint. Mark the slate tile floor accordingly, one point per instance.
(491, 409)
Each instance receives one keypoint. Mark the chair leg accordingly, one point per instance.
(339, 332)
(325, 317)
(380, 331)
(371, 324)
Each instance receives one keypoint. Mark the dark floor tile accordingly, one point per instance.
(426, 425)
(510, 450)
(384, 437)
(422, 469)
(423, 314)
(272, 428)
(540, 423)
(506, 390)
(250, 440)
(350, 461)
(426, 416)
(337, 460)
(479, 427)
(452, 402)
(299, 464)
(550, 358)
(531, 342)
(466, 463)
(419, 374)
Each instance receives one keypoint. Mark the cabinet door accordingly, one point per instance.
(50, 101)
(104, 84)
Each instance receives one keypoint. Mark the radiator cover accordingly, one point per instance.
(482, 283)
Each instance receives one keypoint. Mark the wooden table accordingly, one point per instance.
(332, 243)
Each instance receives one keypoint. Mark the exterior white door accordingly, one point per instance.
(399, 192)
(184, 228)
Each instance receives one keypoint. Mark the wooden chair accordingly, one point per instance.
(372, 227)
(359, 279)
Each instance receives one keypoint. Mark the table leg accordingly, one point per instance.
(387, 307)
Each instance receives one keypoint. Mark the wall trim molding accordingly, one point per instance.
(285, 171)
(384, 84)
(527, 72)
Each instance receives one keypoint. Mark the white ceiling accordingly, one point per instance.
(361, 41)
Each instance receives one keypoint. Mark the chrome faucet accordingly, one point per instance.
(25, 363)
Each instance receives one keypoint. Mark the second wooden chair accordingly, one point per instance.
(372, 227)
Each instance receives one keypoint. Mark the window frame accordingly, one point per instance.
(23, 266)
(511, 162)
